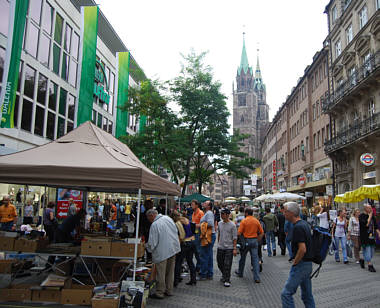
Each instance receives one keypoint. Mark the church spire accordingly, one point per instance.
(244, 59)
(258, 83)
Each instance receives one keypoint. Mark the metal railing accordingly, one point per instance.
(355, 79)
(353, 133)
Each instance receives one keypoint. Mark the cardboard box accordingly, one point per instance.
(121, 249)
(25, 245)
(77, 295)
(8, 266)
(105, 303)
(96, 248)
(7, 243)
(16, 293)
(46, 295)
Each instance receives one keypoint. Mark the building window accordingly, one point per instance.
(307, 145)
(371, 108)
(31, 41)
(315, 141)
(377, 4)
(338, 49)
(334, 14)
(39, 121)
(242, 119)
(41, 89)
(30, 77)
(363, 17)
(349, 34)
(4, 16)
(242, 100)
(26, 117)
(2, 61)
(327, 131)
(317, 108)
(314, 113)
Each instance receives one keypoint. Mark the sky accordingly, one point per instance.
(287, 33)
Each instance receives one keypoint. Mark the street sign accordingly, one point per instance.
(367, 159)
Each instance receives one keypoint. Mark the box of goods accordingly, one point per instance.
(9, 266)
(17, 293)
(25, 245)
(77, 295)
(96, 247)
(105, 302)
(7, 243)
(46, 295)
(122, 249)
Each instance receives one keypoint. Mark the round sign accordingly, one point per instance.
(367, 159)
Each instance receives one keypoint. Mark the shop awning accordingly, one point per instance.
(311, 185)
(87, 158)
(360, 194)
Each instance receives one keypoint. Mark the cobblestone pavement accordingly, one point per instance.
(338, 285)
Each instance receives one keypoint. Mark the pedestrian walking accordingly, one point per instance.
(227, 238)
(324, 218)
(288, 228)
(252, 233)
(239, 217)
(339, 231)
(196, 219)
(353, 233)
(163, 243)
(302, 264)
(256, 214)
(281, 233)
(368, 230)
(271, 223)
(207, 242)
(179, 256)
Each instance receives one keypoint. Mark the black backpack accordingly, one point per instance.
(320, 243)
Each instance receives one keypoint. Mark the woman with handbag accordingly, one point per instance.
(353, 233)
(339, 232)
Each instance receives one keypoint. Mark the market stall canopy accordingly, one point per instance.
(244, 199)
(262, 197)
(360, 194)
(87, 158)
(286, 196)
(198, 197)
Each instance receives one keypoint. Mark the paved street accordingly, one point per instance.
(338, 285)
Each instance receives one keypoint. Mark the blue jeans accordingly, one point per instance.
(368, 251)
(207, 260)
(270, 239)
(251, 247)
(7, 226)
(343, 241)
(197, 252)
(289, 246)
(299, 276)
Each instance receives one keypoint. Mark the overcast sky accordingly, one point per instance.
(288, 34)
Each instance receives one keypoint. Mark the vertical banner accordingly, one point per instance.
(88, 61)
(17, 18)
(122, 84)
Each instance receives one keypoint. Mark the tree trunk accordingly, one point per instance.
(200, 187)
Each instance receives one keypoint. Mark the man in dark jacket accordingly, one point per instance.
(281, 234)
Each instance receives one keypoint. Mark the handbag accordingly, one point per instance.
(349, 249)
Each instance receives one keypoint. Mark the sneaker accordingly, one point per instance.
(227, 284)
(345, 262)
(357, 262)
(371, 268)
(337, 260)
(274, 252)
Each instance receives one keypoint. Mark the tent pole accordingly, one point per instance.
(43, 208)
(166, 204)
(137, 234)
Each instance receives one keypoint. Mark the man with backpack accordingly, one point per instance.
(302, 263)
(271, 224)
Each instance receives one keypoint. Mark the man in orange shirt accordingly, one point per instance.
(8, 215)
(252, 232)
(196, 219)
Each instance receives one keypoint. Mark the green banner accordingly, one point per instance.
(122, 92)
(142, 124)
(89, 38)
(17, 16)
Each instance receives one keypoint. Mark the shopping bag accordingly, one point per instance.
(349, 249)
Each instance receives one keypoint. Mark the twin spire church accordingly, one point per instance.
(250, 112)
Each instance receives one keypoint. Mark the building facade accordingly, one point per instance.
(293, 157)
(250, 116)
(354, 103)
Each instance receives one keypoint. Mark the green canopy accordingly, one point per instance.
(198, 197)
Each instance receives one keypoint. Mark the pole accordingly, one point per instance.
(137, 234)
(43, 209)
(166, 204)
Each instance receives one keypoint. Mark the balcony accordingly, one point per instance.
(353, 82)
(353, 133)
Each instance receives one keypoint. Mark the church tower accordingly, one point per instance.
(250, 112)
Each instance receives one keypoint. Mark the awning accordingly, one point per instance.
(311, 185)
(360, 194)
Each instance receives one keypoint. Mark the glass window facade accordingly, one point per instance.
(4, 16)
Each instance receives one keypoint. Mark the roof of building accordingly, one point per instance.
(244, 61)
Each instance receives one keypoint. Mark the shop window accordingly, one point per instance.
(112, 82)
(4, 16)
(44, 50)
(56, 58)
(2, 61)
(62, 102)
(65, 66)
(110, 125)
(93, 117)
(39, 121)
(75, 46)
(67, 41)
(26, 117)
(15, 114)
(70, 126)
(100, 120)
(58, 29)
(105, 124)
(61, 127)
(47, 18)
(35, 10)
(53, 91)
(30, 77)
(71, 107)
(50, 126)
(19, 76)
(31, 42)
(73, 73)
(41, 90)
